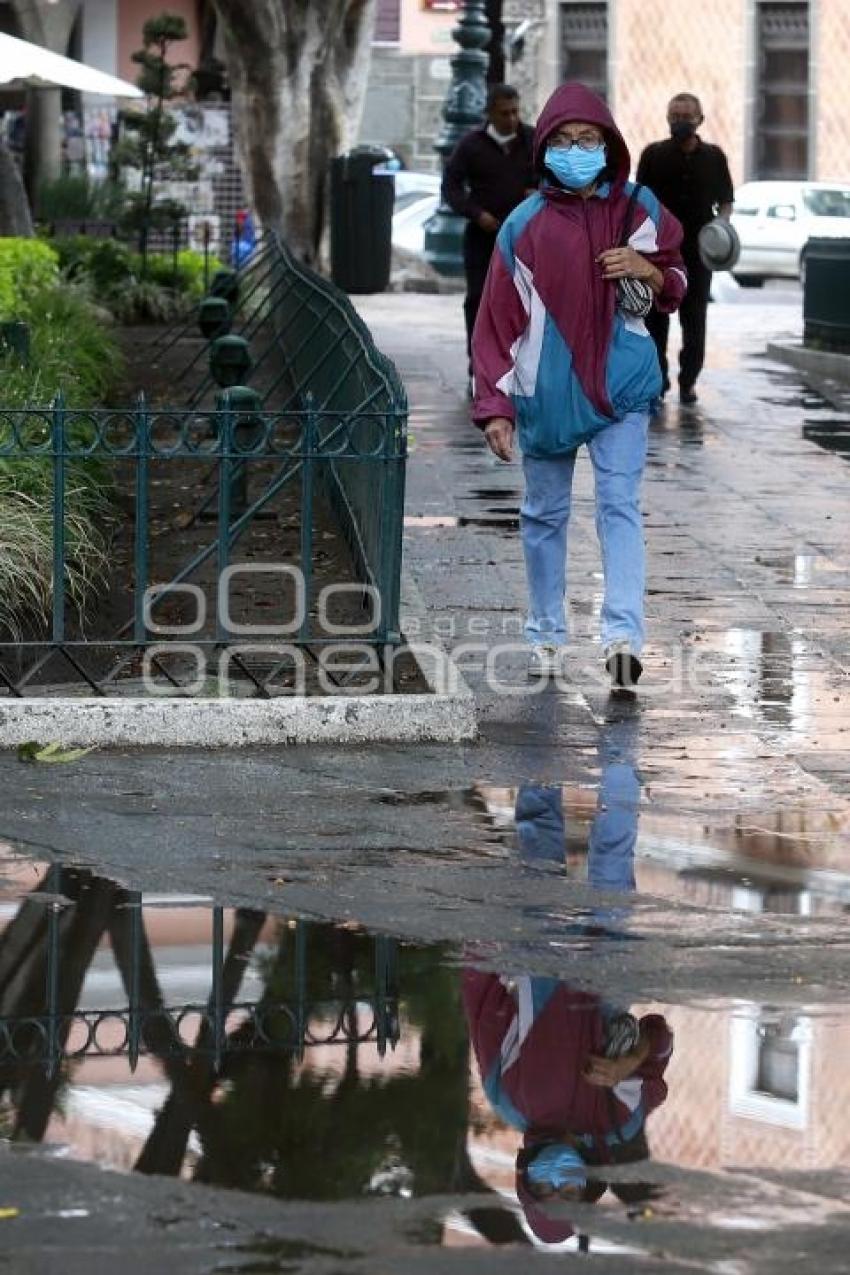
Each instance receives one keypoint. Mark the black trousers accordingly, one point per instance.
(692, 314)
(478, 248)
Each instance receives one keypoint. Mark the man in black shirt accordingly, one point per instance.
(691, 178)
(489, 172)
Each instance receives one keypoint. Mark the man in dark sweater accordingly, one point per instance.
(691, 178)
(490, 171)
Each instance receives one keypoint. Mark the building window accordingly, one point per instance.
(770, 1066)
(782, 98)
(387, 22)
(584, 45)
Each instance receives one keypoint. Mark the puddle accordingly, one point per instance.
(496, 493)
(493, 522)
(823, 425)
(833, 436)
(794, 863)
(319, 1062)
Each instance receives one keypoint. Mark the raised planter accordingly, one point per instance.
(826, 295)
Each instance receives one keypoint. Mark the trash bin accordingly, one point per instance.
(826, 294)
(361, 216)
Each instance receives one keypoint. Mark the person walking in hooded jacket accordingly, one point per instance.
(561, 358)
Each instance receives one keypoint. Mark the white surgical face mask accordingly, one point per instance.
(501, 138)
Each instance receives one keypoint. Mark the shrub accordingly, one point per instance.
(144, 301)
(104, 263)
(188, 277)
(72, 350)
(26, 265)
(115, 276)
(77, 198)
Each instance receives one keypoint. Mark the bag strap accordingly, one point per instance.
(630, 209)
(612, 1116)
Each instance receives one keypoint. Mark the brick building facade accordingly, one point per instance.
(769, 73)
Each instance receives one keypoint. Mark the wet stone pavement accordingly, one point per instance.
(308, 1010)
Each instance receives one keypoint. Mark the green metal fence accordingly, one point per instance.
(329, 414)
(55, 934)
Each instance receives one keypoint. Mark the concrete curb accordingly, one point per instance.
(822, 363)
(447, 714)
(215, 723)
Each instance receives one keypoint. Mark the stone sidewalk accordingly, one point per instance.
(740, 734)
(745, 698)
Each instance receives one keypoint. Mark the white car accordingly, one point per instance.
(775, 220)
(412, 210)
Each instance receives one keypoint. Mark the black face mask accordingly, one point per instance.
(681, 130)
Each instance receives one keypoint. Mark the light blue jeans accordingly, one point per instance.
(618, 454)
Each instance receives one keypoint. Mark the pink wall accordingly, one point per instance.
(132, 15)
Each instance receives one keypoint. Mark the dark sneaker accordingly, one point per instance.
(623, 667)
(687, 395)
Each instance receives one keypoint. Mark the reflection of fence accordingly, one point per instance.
(58, 953)
(328, 414)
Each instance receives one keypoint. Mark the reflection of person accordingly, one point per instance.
(556, 357)
(543, 1049)
(691, 178)
(489, 172)
(577, 1075)
(540, 827)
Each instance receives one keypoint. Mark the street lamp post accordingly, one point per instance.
(463, 109)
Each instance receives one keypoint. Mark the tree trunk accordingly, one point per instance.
(15, 216)
(42, 156)
(298, 71)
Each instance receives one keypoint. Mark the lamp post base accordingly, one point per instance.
(444, 242)
(464, 109)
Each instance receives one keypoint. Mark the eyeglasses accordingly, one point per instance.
(587, 142)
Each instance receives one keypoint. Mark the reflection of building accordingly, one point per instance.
(770, 73)
(752, 1086)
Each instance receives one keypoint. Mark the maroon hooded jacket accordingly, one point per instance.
(550, 348)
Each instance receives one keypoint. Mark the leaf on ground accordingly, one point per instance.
(32, 751)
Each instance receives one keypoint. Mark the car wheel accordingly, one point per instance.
(749, 280)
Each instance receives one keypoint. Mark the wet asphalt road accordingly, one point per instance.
(729, 780)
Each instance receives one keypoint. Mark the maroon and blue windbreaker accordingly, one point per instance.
(550, 349)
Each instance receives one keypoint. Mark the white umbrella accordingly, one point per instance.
(25, 65)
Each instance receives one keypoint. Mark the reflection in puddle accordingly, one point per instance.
(314, 1061)
(495, 522)
(832, 435)
(794, 862)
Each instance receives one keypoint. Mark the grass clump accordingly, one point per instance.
(74, 351)
(116, 278)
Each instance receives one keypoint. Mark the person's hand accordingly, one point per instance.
(607, 1072)
(488, 222)
(499, 433)
(625, 263)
